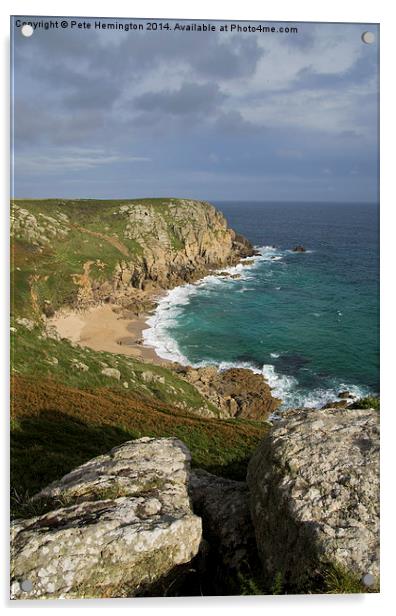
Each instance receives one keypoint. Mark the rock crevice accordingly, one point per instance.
(127, 522)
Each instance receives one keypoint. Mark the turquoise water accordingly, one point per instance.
(308, 322)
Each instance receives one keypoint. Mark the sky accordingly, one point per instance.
(214, 116)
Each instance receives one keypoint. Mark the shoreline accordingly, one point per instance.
(100, 328)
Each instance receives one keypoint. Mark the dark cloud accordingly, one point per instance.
(190, 98)
(34, 125)
(357, 74)
(235, 58)
(303, 40)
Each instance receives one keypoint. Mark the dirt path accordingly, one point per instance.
(114, 241)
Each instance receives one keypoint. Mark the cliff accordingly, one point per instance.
(77, 254)
(81, 252)
(70, 402)
(311, 495)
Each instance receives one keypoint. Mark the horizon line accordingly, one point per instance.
(219, 200)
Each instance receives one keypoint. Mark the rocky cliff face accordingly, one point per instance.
(178, 243)
(111, 248)
(314, 489)
(115, 526)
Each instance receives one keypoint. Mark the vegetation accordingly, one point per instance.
(331, 578)
(337, 580)
(48, 253)
(62, 416)
(65, 411)
(36, 354)
(55, 428)
(370, 402)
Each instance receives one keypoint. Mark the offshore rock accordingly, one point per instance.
(314, 484)
(117, 525)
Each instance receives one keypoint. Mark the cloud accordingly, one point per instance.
(190, 98)
(74, 160)
(234, 57)
(261, 111)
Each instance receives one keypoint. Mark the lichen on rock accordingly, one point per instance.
(314, 485)
(117, 525)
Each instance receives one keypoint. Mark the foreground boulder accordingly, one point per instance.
(314, 484)
(116, 526)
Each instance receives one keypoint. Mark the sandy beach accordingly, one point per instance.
(100, 328)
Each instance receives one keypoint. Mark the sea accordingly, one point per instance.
(308, 322)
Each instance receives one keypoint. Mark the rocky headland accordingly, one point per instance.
(139, 245)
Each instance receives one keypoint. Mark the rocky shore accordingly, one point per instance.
(237, 392)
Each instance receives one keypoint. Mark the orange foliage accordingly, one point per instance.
(106, 407)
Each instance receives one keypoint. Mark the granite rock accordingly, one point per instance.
(116, 526)
(314, 485)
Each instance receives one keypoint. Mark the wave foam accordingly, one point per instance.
(317, 398)
(165, 316)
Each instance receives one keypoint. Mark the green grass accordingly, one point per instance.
(338, 580)
(32, 355)
(60, 259)
(331, 578)
(62, 417)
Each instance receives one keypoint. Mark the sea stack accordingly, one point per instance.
(299, 248)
